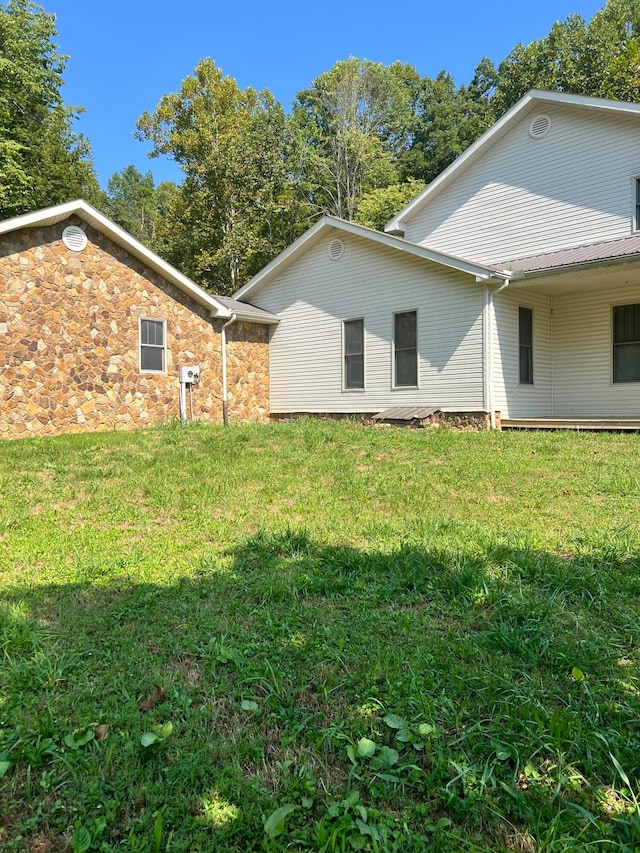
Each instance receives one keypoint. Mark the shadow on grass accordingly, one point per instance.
(522, 666)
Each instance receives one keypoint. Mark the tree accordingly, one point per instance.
(447, 120)
(141, 208)
(595, 58)
(236, 207)
(42, 160)
(379, 205)
(354, 121)
(601, 57)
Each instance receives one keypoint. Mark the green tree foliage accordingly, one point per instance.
(361, 142)
(354, 121)
(236, 207)
(447, 120)
(141, 208)
(599, 58)
(379, 205)
(42, 160)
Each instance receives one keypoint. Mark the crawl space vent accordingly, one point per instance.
(74, 238)
(336, 250)
(540, 127)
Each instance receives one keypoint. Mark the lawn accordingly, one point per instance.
(320, 637)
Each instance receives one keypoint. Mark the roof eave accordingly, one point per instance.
(272, 320)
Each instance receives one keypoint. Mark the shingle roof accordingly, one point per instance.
(609, 250)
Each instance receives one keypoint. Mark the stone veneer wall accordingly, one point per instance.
(69, 327)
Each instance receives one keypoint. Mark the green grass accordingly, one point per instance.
(362, 639)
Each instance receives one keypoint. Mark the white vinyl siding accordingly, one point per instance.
(512, 398)
(583, 355)
(313, 295)
(526, 196)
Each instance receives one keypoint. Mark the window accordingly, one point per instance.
(626, 343)
(152, 346)
(405, 349)
(525, 342)
(636, 222)
(353, 348)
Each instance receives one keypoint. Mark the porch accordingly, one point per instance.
(579, 424)
(581, 348)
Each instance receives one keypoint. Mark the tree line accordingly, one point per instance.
(360, 142)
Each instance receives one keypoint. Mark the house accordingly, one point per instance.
(508, 292)
(510, 287)
(94, 328)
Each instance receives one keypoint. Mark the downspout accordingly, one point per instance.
(223, 335)
(488, 348)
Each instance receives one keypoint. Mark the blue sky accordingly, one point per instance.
(125, 55)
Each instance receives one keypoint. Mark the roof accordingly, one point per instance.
(531, 101)
(248, 312)
(625, 248)
(327, 223)
(59, 213)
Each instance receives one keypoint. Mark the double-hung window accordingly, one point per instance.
(353, 349)
(405, 349)
(525, 344)
(626, 343)
(153, 345)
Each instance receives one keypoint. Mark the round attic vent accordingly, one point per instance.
(336, 250)
(74, 238)
(539, 127)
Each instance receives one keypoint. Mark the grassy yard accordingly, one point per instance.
(320, 637)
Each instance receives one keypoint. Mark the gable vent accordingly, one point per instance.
(336, 250)
(74, 238)
(540, 127)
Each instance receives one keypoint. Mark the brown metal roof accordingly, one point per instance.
(610, 250)
(406, 413)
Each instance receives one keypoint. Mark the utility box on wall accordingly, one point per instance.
(189, 375)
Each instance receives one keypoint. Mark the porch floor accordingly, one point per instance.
(613, 424)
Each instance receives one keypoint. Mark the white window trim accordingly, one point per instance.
(162, 372)
(364, 357)
(395, 387)
(531, 384)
